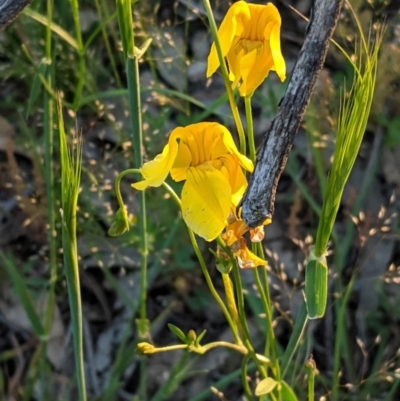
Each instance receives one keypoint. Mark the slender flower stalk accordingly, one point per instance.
(70, 180)
(48, 126)
(81, 53)
(225, 75)
(230, 298)
(132, 55)
(250, 128)
(230, 319)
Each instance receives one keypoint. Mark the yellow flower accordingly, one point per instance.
(206, 156)
(250, 40)
(233, 238)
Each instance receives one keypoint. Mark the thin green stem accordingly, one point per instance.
(225, 75)
(124, 11)
(250, 128)
(263, 288)
(48, 126)
(175, 376)
(246, 387)
(149, 349)
(230, 298)
(71, 164)
(340, 330)
(118, 182)
(270, 342)
(242, 317)
(132, 70)
(81, 53)
(206, 274)
(311, 369)
(107, 44)
(295, 338)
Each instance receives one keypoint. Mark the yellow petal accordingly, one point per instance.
(206, 200)
(273, 18)
(234, 174)
(269, 13)
(228, 141)
(233, 57)
(248, 259)
(279, 61)
(182, 162)
(249, 68)
(156, 171)
(232, 25)
(234, 233)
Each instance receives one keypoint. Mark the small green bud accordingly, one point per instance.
(191, 336)
(223, 262)
(120, 223)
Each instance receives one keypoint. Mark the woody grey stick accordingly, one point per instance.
(9, 10)
(258, 202)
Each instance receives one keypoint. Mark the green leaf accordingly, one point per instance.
(24, 296)
(200, 337)
(36, 85)
(265, 386)
(295, 337)
(287, 393)
(178, 332)
(62, 33)
(138, 52)
(316, 287)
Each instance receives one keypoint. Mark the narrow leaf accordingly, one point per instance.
(24, 296)
(287, 393)
(316, 287)
(178, 332)
(36, 85)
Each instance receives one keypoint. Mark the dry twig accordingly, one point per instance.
(9, 10)
(258, 202)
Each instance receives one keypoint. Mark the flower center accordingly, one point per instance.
(249, 45)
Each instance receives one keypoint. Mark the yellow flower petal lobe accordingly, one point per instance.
(236, 19)
(250, 38)
(206, 200)
(279, 61)
(155, 171)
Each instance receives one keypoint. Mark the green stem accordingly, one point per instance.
(242, 317)
(250, 128)
(311, 369)
(48, 126)
(175, 375)
(295, 338)
(245, 383)
(107, 44)
(71, 163)
(148, 349)
(206, 274)
(263, 288)
(230, 298)
(74, 291)
(225, 75)
(118, 181)
(81, 53)
(339, 336)
(132, 72)
(136, 120)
